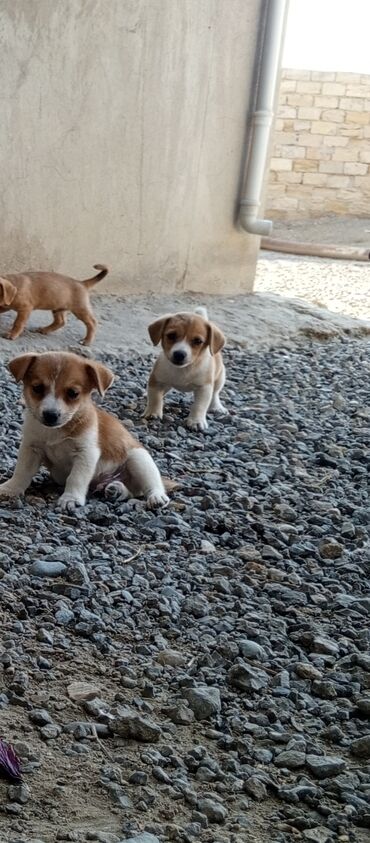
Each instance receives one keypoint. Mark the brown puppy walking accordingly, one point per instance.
(49, 291)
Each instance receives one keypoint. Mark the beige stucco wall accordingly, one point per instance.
(321, 154)
(121, 139)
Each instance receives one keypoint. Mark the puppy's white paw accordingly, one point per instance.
(157, 498)
(152, 414)
(10, 490)
(117, 491)
(68, 502)
(217, 407)
(197, 424)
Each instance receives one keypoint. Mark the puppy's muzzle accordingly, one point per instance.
(50, 418)
(179, 357)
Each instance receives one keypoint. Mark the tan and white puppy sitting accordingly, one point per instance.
(190, 361)
(82, 446)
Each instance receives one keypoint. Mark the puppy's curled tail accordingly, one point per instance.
(90, 282)
(202, 311)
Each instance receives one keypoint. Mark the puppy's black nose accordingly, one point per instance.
(50, 417)
(178, 357)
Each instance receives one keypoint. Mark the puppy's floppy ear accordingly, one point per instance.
(100, 377)
(7, 292)
(216, 339)
(156, 329)
(20, 365)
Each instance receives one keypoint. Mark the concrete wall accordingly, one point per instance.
(121, 139)
(321, 154)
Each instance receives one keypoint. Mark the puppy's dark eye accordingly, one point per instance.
(197, 341)
(72, 394)
(172, 336)
(38, 389)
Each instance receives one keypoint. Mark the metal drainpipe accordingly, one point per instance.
(262, 119)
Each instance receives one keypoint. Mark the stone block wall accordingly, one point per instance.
(321, 151)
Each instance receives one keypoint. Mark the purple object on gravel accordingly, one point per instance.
(10, 764)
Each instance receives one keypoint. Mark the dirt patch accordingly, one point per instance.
(331, 229)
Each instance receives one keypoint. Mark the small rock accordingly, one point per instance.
(251, 650)
(330, 549)
(361, 747)
(180, 714)
(50, 731)
(19, 793)
(83, 691)
(203, 701)
(128, 724)
(305, 670)
(47, 568)
(363, 705)
(172, 658)
(247, 678)
(160, 774)
(317, 835)
(256, 788)
(214, 811)
(144, 837)
(324, 766)
(324, 645)
(64, 617)
(291, 759)
(207, 547)
(138, 777)
(40, 717)
(45, 636)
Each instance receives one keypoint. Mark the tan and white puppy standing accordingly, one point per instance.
(82, 446)
(190, 361)
(49, 291)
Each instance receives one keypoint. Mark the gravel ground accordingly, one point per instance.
(340, 286)
(223, 644)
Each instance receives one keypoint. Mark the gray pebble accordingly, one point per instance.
(47, 568)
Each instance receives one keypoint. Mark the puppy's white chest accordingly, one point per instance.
(58, 452)
(184, 379)
(59, 457)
